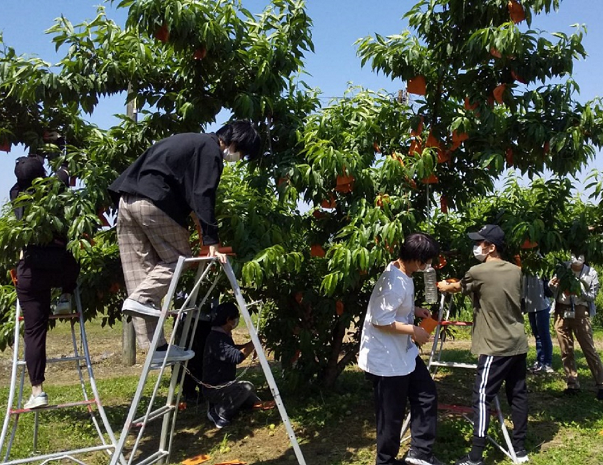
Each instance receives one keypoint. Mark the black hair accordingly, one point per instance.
(419, 246)
(223, 313)
(500, 248)
(243, 135)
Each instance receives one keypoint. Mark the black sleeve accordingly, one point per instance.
(63, 175)
(13, 194)
(229, 353)
(202, 179)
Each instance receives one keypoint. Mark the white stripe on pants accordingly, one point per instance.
(150, 243)
(484, 410)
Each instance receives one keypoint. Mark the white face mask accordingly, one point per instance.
(578, 261)
(231, 156)
(479, 253)
(235, 323)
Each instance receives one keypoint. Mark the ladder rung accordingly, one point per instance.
(456, 323)
(453, 365)
(58, 455)
(66, 316)
(57, 360)
(462, 409)
(156, 457)
(161, 411)
(66, 359)
(181, 310)
(54, 407)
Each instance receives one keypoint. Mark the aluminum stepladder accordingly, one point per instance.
(435, 361)
(185, 313)
(89, 402)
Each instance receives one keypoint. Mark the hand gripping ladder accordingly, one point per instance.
(184, 315)
(435, 361)
(91, 399)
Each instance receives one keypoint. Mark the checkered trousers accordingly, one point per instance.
(150, 243)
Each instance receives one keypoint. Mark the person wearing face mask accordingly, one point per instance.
(390, 358)
(225, 395)
(498, 339)
(175, 177)
(573, 308)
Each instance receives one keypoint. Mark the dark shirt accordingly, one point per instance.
(60, 238)
(179, 174)
(220, 358)
(498, 328)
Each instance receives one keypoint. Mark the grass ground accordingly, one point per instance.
(333, 428)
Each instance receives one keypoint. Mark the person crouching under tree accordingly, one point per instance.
(225, 395)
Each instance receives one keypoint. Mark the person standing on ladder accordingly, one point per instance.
(174, 177)
(498, 339)
(41, 267)
(391, 359)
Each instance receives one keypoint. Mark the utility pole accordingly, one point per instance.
(128, 340)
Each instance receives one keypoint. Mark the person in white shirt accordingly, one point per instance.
(390, 358)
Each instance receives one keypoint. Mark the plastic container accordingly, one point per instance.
(431, 290)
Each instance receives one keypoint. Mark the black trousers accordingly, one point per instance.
(391, 393)
(229, 400)
(491, 372)
(35, 282)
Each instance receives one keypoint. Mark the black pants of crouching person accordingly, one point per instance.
(230, 399)
(39, 271)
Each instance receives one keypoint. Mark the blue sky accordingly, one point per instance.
(337, 25)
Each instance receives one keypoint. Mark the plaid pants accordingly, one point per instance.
(150, 243)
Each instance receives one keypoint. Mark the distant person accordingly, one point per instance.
(391, 360)
(156, 194)
(538, 307)
(498, 339)
(572, 318)
(41, 268)
(226, 395)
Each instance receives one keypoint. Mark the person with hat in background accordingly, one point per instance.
(175, 177)
(225, 395)
(498, 339)
(573, 308)
(41, 268)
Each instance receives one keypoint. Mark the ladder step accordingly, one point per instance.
(181, 310)
(160, 412)
(59, 455)
(65, 316)
(456, 323)
(57, 360)
(472, 366)
(156, 457)
(53, 407)
(462, 409)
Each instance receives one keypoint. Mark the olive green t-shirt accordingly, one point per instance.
(498, 330)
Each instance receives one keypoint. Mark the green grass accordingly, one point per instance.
(334, 427)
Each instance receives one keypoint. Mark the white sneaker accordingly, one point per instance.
(63, 306)
(133, 307)
(174, 354)
(41, 400)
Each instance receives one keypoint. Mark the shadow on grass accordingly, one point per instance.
(336, 427)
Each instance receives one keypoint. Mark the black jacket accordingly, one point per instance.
(220, 359)
(179, 174)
